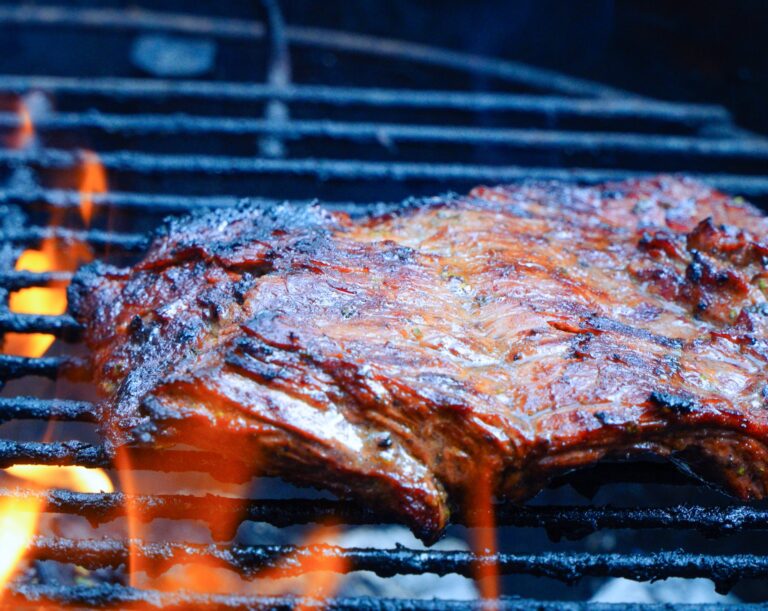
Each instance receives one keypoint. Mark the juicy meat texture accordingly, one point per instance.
(505, 337)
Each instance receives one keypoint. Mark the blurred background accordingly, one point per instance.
(714, 51)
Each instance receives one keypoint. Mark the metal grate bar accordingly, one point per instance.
(15, 280)
(571, 521)
(94, 237)
(65, 453)
(13, 367)
(324, 169)
(386, 133)
(291, 560)
(62, 326)
(61, 453)
(141, 19)
(45, 409)
(118, 595)
(163, 203)
(551, 106)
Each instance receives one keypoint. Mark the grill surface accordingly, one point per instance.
(171, 146)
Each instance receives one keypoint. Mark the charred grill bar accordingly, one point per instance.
(554, 127)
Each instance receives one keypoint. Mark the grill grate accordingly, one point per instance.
(351, 146)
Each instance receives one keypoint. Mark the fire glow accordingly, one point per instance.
(19, 517)
(77, 479)
(93, 182)
(53, 255)
(18, 524)
(484, 539)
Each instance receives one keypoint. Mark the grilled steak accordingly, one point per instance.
(518, 332)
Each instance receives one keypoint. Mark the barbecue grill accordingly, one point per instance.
(294, 125)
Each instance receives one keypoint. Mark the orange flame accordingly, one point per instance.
(484, 538)
(129, 487)
(19, 517)
(203, 576)
(325, 573)
(25, 133)
(18, 524)
(51, 300)
(53, 255)
(78, 479)
(93, 182)
(35, 300)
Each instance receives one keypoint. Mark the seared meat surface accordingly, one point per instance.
(517, 332)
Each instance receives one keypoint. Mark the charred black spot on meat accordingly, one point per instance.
(604, 324)
(580, 345)
(138, 331)
(661, 242)
(252, 367)
(212, 306)
(677, 403)
(399, 254)
(186, 335)
(695, 271)
(348, 310)
(241, 287)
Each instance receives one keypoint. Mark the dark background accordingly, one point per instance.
(711, 51)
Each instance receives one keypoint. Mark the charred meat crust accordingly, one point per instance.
(519, 331)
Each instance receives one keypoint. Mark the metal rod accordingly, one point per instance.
(278, 76)
(12, 408)
(573, 521)
(114, 594)
(605, 108)
(354, 170)
(163, 203)
(514, 72)
(60, 453)
(62, 326)
(747, 147)
(94, 237)
(20, 279)
(292, 560)
(65, 453)
(12, 367)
